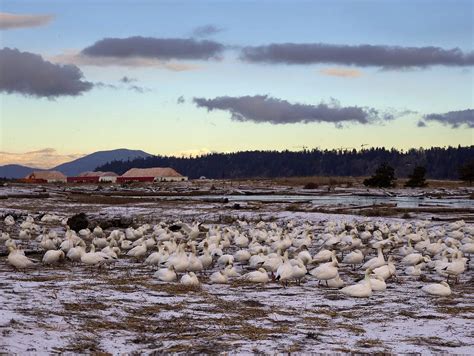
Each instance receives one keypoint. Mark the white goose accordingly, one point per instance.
(189, 279)
(53, 256)
(218, 278)
(259, 276)
(362, 289)
(166, 274)
(440, 289)
(18, 259)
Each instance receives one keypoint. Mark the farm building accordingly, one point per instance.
(156, 174)
(94, 177)
(45, 177)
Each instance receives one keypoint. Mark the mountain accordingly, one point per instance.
(86, 163)
(92, 161)
(15, 171)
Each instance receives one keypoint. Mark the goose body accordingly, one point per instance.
(18, 260)
(362, 289)
(166, 274)
(259, 276)
(440, 289)
(189, 279)
(53, 256)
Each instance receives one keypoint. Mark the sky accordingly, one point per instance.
(192, 77)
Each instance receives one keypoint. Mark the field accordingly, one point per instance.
(121, 307)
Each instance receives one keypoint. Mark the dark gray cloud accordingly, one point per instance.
(206, 30)
(102, 85)
(389, 57)
(11, 21)
(180, 100)
(127, 80)
(453, 118)
(262, 108)
(138, 89)
(29, 74)
(158, 48)
(421, 123)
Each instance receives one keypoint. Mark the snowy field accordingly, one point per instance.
(121, 307)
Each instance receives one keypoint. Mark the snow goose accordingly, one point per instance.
(323, 256)
(386, 271)
(167, 274)
(326, 271)
(53, 256)
(230, 271)
(138, 251)
(242, 256)
(92, 258)
(304, 255)
(284, 271)
(218, 278)
(259, 276)
(413, 259)
(362, 289)
(336, 282)
(189, 279)
(18, 259)
(354, 258)
(440, 289)
(9, 221)
(376, 261)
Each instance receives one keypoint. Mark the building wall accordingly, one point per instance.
(108, 179)
(171, 179)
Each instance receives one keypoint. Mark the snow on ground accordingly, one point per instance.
(121, 308)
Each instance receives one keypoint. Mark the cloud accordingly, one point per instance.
(206, 30)
(102, 85)
(262, 108)
(79, 59)
(127, 80)
(44, 158)
(156, 48)
(421, 124)
(387, 57)
(29, 74)
(11, 21)
(180, 100)
(138, 89)
(341, 72)
(454, 119)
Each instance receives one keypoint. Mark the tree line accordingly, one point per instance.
(439, 163)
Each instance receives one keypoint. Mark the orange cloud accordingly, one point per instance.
(341, 72)
(44, 158)
(77, 58)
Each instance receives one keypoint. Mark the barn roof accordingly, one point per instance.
(98, 174)
(151, 172)
(48, 175)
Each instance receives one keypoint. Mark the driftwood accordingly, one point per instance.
(25, 196)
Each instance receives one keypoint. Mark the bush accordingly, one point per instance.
(311, 185)
(384, 177)
(466, 172)
(417, 178)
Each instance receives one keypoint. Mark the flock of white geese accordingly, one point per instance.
(263, 252)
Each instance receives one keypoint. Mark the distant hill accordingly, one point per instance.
(15, 171)
(86, 163)
(92, 161)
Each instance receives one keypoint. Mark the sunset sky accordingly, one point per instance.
(190, 77)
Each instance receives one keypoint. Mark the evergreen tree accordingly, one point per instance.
(384, 177)
(466, 172)
(417, 178)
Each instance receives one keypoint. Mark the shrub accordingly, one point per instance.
(417, 178)
(384, 177)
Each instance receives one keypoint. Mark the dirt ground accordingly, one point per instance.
(123, 308)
